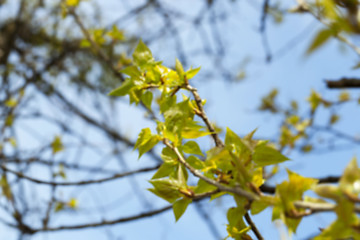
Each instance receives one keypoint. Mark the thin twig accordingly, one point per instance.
(253, 226)
(102, 180)
(204, 117)
(236, 190)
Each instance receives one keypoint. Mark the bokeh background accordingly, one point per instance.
(243, 52)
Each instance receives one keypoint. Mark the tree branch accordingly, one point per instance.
(343, 83)
(253, 226)
(102, 180)
(236, 190)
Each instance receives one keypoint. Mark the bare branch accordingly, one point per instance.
(102, 180)
(343, 83)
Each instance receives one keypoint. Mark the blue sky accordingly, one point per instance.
(229, 104)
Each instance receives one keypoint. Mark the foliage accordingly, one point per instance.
(237, 164)
(99, 74)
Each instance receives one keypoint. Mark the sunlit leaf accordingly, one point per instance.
(146, 98)
(195, 162)
(191, 73)
(192, 147)
(344, 96)
(265, 155)
(57, 145)
(179, 207)
(142, 55)
(12, 102)
(5, 187)
(166, 188)
(179, 68)
(146, 141)
(123, 89)
(320, 39)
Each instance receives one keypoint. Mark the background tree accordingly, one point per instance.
(66, 147)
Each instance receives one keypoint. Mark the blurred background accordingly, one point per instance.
(66, 148)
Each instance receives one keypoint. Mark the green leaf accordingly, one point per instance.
(265, 155)
(261, 204)
(179, 207)
(237, 228)
(203, 187)
(72, 3)
(350, 180)
(85, 43)
(72, 203)
(314, 99)
(334, 118)
(191, 73)
(123, 89)
(193, 130)
(142, 55)
(320, 39)
(59, 206)
(268, 102)
(338, 230)
(169, 156)
(192, 147)
(234, 142)
(344, 96)
(164, 170)
(288, 192)
(57, 145)
(182, 175)
(146, 141)
(131, 71)
(195, 162)
(166, 188)
(179, 68)
(146, 98)
(5, 187)
(12, 102)
(166, 102)
(328, 191)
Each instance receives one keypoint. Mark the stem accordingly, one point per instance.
(236, 190)
(201, 113)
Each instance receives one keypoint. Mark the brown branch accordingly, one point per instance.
(253, 226)
(201, 113)
(104, 222)
(236, 190)
(197, 197)
(343, 83)
(102, 180)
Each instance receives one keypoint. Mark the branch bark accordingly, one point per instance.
(343, 83)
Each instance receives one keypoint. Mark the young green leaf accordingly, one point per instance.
(123, 89)
(179, 207)
(131, 71)
(166, 188)
(142, 55)
(179, 68)
(146, 98)
(146, 141)
(164, 170)
(195, 162)
(57, 145)
(191, 73)
(320, 39)
(192, 147)
(265, 155)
